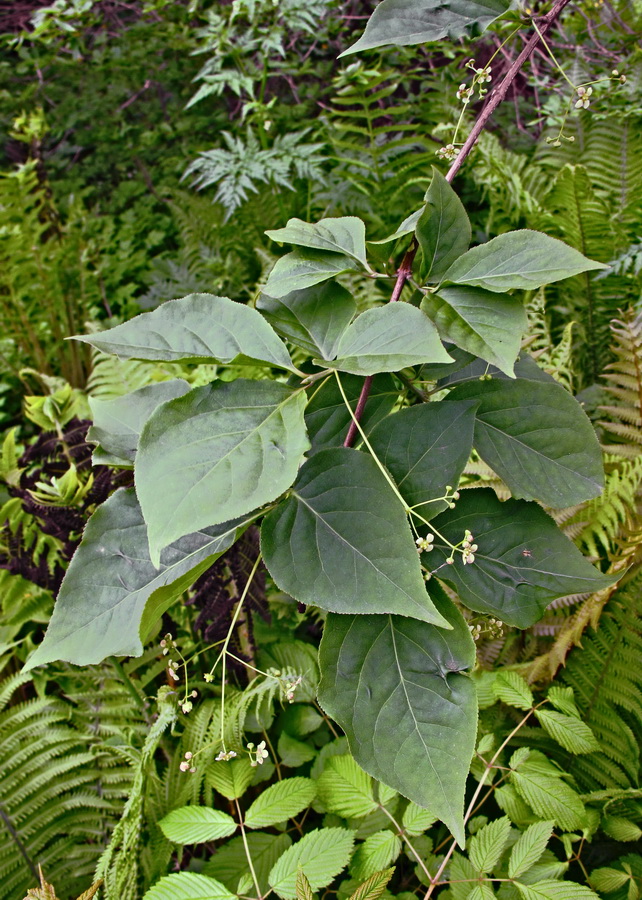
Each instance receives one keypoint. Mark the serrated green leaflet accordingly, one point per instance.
(416, 819)
(387, 339)
(232, 779)
(555, 890)
(342, 541)
(229, 864)
(443, 230)
(403, 22)
(550, 453)
(117, 423)
(486, 324)
(529, 847)
(373, 887)
(313, 319)
(321, 854)
(302, 887)
(513, 690)
(542, 787)
(345, 789)
(219, 451)
(327, 418)
(487, 845)
(345, 234)
(196, 825)
(396, 686)
(519, 259)
(425, 449)
(377, 851)
(200, 328)
(280, 802)
(304, 268)
(113, 567)
(607, 879)
(188, 886)
(523, 560)
(569, 731)
(481, 892)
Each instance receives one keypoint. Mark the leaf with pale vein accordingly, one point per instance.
(303, 269)
(320, 854)
(487, 845)
(529, 847)
(280, 802)
(188, 886)
(196, 825)
(443, 230)
(343, 234)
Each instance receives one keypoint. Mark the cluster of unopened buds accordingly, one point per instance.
(290, 688)
(448, 152)
(186, 704)
(491, 628)
(187, 765)
(257, 754)
(615, 75)
(468, 549)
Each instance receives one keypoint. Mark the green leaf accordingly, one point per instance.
(486, 847)
(303, 269)
(341, 541)
(216, 453)
(569, 731)
(607, 880)
(562, 699)
(404, 22)
(513, 690)
(541, 786)
(280, 801)
(425, 449)
(373, 887)
(196, 825)
(327, 418)
(345, 234)
(443, 230)
(314, 318)
(321, 854)
(486, 324)
(529, 847)
(294, 753)
(621, 829)
(188, 886)
(302, 887)
(387, 339)
(537, 438)
(345, 789)
(396, 687)
(229, 863)
(523, 560)
(117, 423)
(481, 892)
(196, 328)
(416, 819)
(233, 779)
(519, 259)
(555, 890)
(112, 567)
(377, 851)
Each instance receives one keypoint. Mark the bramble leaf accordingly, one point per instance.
(280, 802)
(345, 789)
(188, 886)
(529, 847)
(513, 689)
(196, 825)
(569, 731)
(487, 845)
(321, 854)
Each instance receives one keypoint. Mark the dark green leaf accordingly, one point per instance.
(404, 22)
(341, 541)
(425, 448)
(537, 438)
(443, 230)
(119, 422)
(100, 610)
(396, 687)
(197, 328)
(523, 560)
(327, 417)
(314, 318)
(345, 234)
(387, 339)
(519, 259)
(304, 268)
(481, 322)
(218, 452)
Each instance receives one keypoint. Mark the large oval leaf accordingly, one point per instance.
(342, 234)
(443, 229)
(327, 417)
(523, 560)
(199, 327)
(111, 579)
(341, 541)
(537, 437)
(217, 453)
(304, 268)
(396, 688)
(196, 825)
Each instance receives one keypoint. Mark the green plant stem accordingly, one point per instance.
(247, 851)
(402, 834)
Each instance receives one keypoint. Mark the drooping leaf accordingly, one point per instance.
(327, 418)
(523, 560)
(387, 339)
(519, 259)
(233, 779)
(443, 230)
(481, 322)
(396, 687)
(218, 452)
(404, 22)
(196, 825)
(569, 731)
(280, 802)
(537, 438)
(341, 541)
(378, 850)
(314, 318)
(529, 847)
(229, 864)
(487, 845)
(101, 606)
(344, 234)
(117, 423)
(188, 886)
(196, 328)
(425, 449)
(345, 789)
(513, 689)
(555, 890)
(304, 268)
(321, 854)
(373, 887)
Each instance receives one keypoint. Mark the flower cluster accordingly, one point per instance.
(187, 705)
(187, 764)
(257, 754)
(464, 93)
(290, 688)
(425, 545)
(448, 152)
(584, 97)
(225, 755)
(468, 549)
(491, 628)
